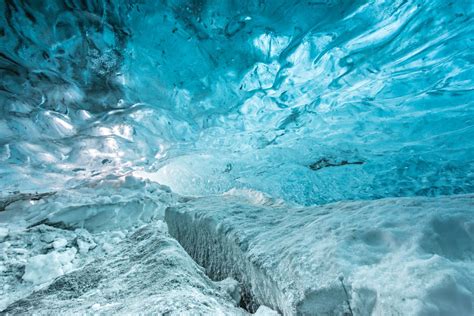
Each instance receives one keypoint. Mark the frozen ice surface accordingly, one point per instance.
(114, 202)
(147, 271)
(407, 256)
(109, 109)
(309, 101)
(88, 262)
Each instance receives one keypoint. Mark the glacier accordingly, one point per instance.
(234, 157)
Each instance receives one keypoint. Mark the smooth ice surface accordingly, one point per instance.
(409, 256)
(310, 101)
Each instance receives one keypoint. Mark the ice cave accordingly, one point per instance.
(237, 157)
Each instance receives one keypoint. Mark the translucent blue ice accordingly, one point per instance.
(310, 101)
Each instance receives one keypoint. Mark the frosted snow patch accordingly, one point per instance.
(253, 196)
(148, 272)
(43, 268)
(410, 256)
(4, 231)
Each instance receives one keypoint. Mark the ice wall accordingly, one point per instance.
(312, 101)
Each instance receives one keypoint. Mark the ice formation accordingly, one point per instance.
(315, 157)
(344, 257)
(96, 261)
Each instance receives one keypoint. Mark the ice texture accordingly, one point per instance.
(410, 256)
(78, 265)
(113, 111)
(147, 271)
(310, 101)
(101, 205)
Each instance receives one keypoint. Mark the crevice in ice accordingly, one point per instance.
(55, 224)
(210, 247)
(16, 197)
(224, 253)
(348, 298)
(325, 162)
(220, 258)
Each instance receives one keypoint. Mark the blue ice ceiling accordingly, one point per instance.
(309, 101)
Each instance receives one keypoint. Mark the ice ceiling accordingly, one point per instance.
(309, 101)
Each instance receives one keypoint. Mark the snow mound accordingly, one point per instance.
(147, 271)
(101, 248)
(114, 202)
(409, 256)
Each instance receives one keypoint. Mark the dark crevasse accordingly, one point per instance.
(309, 101)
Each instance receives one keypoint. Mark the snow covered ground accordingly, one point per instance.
(146, 271)
(404, 256)
(103, 247)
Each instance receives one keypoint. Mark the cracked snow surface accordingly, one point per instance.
(404, 256)
(240, 252)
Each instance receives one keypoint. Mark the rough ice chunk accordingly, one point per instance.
(59, 243)
(231, 287)
(104, 204)
(43, 268)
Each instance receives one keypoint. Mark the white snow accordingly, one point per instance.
(86, 251)
(4, 231)
(409, 256)
(265, 311)
(43, 268)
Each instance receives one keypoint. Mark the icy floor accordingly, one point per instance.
(86, 251)
(145, 270)
(405, 256)
(65, 253)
